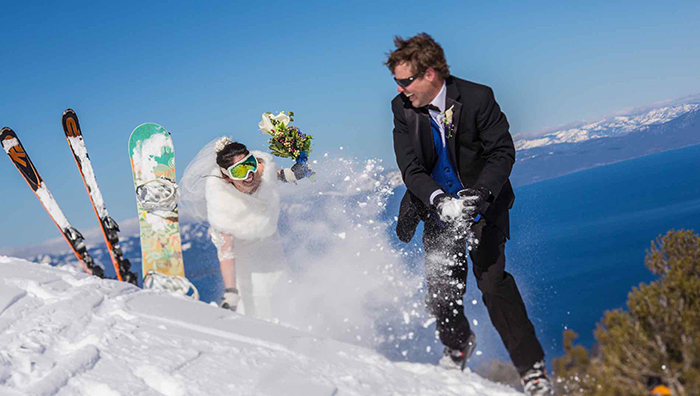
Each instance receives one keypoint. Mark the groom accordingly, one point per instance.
(454, 150)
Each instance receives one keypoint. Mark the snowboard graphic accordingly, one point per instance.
(153, 166)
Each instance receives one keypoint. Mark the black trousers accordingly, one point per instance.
(446, 273)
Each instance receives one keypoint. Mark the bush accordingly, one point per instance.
(572, 369)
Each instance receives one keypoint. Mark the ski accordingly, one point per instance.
(76, 142)
(18, 156)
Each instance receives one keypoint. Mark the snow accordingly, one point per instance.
(451, 209)
(7, 144)
(52, 206)
(613, 126)
(78, 146)
(63, 332)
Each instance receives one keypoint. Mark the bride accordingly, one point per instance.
(236, 192)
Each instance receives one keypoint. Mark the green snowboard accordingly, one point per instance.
(153, 166)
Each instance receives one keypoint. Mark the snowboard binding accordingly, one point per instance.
(175, 284)
(157, 195)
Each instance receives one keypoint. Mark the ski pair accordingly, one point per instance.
(18, 155)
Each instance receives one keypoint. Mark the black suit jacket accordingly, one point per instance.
(481, 147)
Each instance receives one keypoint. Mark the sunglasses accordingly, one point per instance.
(241, 169)
(405, 82)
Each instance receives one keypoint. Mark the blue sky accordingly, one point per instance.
(207, 69)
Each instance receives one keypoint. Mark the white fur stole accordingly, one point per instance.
(245, 216)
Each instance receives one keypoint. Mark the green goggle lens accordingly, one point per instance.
(241, 170)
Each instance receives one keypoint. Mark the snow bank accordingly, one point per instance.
(66, 333)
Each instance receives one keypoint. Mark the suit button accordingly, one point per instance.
(447, 170)
(449, 184)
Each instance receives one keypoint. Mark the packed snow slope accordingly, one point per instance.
(63, 332)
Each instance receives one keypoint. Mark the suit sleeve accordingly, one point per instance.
(415, 176)
(499, 150)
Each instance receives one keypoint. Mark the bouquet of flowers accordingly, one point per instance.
(286, 141)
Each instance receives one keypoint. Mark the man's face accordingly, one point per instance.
(252, 182)
(422, 90)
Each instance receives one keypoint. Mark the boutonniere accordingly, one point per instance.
(447, 120)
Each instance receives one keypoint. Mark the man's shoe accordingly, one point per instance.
(458, 358)
(535, 381)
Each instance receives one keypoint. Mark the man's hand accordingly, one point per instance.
(475, 200)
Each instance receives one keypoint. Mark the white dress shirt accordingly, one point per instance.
(438, 116)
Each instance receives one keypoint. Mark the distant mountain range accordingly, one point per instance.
(618, 138)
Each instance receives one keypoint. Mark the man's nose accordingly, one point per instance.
(400, 89)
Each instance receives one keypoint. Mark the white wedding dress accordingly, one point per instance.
(249, 221)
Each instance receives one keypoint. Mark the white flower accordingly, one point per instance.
(447, 120)
(222, 142)
(448, 115)
(265, 124)
(282, 118)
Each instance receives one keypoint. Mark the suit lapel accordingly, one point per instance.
(419, 122)
(452, 100)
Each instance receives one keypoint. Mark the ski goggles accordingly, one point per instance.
(241, 169)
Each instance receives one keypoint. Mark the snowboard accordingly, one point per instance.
(153, 166)
(109, 227)
(20, 158)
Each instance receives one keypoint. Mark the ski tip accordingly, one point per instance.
(71, 126)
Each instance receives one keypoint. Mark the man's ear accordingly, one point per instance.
(430, 74)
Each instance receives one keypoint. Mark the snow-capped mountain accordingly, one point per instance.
(609, 127)
(618, 138)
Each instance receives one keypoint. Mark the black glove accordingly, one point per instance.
(476, 200)
(298, 170)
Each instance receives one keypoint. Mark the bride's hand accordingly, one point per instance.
(299, 172)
